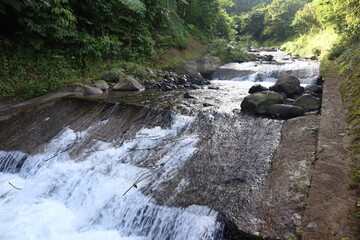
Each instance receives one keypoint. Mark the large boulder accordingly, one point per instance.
(144, 73)
(187, 68)
(257, 88)
(205, 65)
(285, 111)
(114, 75)
(260, 102)
(128, 84)
(103, 85)
(80, 88)
(208, 65)
(289, 85)
(308, 102)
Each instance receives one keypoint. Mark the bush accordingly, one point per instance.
(228, 51)
(31, 73)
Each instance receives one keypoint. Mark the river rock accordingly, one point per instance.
(187, 68)
(208, 65)
(289, 101)
(167, 87)
(103, 85)
(128, 84)
(319, 80)
(289, 85)
(80, 88)
(260, 102)
(308, 102)
(285, 111)
(144, 73)
(257, 88)
(114, 75)
(313, 89)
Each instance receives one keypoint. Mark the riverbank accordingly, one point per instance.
(330, 206)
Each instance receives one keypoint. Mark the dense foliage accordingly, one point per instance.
(90, 33)
(103, 29)
(270, 20)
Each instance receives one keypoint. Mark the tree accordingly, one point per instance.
(279, 17)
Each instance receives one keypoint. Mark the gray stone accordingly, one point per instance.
(260, 102)
(80, 88)
(128, 84)
(285, 111)
(207, 65)
(166, 87)
(289, 85)
(289, 101)
(114, 75)
(187, 68)
(308, 102)
(103, 85)
(144, 72)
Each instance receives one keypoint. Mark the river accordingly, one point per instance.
(90, 169)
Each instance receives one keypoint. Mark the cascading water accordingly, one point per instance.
(64, 198)
(259, 71)
(100, 169)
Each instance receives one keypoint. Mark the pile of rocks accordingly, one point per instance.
(178, 82)
(286, 99)
(141, 78)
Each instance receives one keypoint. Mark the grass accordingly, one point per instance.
(318, 43)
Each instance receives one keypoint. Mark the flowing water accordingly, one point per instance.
(85, 169)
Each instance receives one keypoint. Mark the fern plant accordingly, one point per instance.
(135, 5)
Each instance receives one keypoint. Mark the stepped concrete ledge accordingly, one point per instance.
(330, 205)
(10, 111)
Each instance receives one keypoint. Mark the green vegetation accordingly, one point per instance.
(347, 67)
(47, 42)
(319, 43)
(270, 21)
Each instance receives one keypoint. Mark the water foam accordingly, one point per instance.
(82, 198)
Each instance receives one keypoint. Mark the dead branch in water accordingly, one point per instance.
(14, 186)
(149, 173)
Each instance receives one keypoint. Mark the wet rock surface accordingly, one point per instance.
(285, 111)
(259, 103)
(308, 102)
(295, 103)
(289, 85)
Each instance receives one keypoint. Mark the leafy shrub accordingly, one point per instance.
(228, 51)
(31, 73)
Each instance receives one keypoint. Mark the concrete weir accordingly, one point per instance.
(157, 165)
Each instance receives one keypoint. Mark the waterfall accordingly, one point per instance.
(82, 197)
(258, 71)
